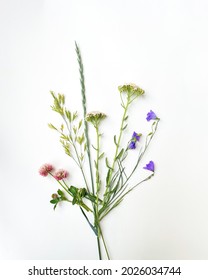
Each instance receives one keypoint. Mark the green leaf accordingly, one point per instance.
(61, 98)
(82, 192)
(60, 192)
(80, 124)
(74, 116)
(68, 115)
(114, 138)
(54, 201)
(64, 137)
(84, 206)
(94, 148)
(52, 126)
(108, 176)
(74, 129)
(107, 164)
(120, 154)
(92, 197)
(74, 201)
(96, 165)
(73, 190)
(101, 156)
(125, 127)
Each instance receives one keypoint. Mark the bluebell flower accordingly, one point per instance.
(150, 166)
(132, 145)
(151, 116)
(135, 137)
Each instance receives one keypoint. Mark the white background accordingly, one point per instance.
(160, 45)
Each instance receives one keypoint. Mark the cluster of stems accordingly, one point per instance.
(77, 145)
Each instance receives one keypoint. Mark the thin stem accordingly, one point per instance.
(120, 193)
(77, 155)
(96, 210)
(118, 143)
(97, 161)
(65, 188)
(92, 227)
(142, 154)
(106, 249)
(99, 248)
(121, 130)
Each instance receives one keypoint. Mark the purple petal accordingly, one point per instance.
(136, 136)
(132, 145)
(150, 166)
(151, 116)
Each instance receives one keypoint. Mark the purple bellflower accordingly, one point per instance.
(150, 166)
(132, 145)
(135, 137)
(151, 116)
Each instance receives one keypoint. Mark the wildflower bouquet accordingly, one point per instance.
(96, 199)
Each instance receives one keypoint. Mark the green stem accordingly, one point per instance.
(97, 162)
(99, 248)
(96, 210)
(106, 249)
(80, 166)
(121, 130)
(92, 227)
(119, 140)
(76, 152)
(61, 184)
(121, 196)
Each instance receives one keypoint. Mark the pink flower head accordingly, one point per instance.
(60, 174)
(45, 169)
